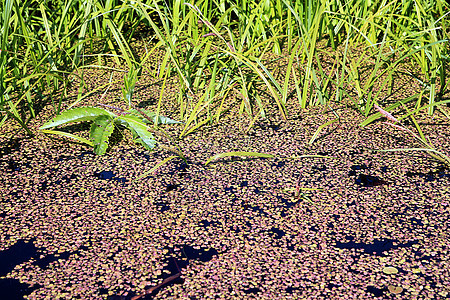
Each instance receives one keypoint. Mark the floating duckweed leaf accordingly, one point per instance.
(395, 289)
(390, 270)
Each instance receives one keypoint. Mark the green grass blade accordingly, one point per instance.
(238, 153)
(316, 134)
(69, 135)
(157, 166)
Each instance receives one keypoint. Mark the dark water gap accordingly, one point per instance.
(22, 251)
(377, 247)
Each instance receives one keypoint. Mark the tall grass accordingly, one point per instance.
(222, 48)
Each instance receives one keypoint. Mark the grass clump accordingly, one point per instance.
(221, 50)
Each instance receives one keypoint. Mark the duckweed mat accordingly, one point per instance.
(360, 224)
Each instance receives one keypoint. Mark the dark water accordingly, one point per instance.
(252, 291)
(21, 252)
(377, 247)
(109, 175)
(375, 291)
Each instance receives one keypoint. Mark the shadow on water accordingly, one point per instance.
(375, 291)
(431, 176)
(15, 166)
(17, 254)
(365, 180)
(276, 233)
(21, 252)
(109, 175)
(377, 247)
(252, 291)
(13, 289)
(369, 180)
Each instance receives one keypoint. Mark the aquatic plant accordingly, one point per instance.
(103, 124)
(220, 49)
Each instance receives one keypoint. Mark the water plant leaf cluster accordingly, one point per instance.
(103, 124)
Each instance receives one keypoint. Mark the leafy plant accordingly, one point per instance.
(103, 124)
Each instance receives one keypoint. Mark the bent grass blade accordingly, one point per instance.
(69, 135)
(238, 153)
(157, 166)
(432, 152)
(316, 134)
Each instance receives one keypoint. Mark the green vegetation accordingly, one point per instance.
(334, 52)
(103, 125)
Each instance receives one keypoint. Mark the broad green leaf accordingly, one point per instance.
(101, 130)
(238, 153)
(139, 130)
(76, 137)
(76, 115)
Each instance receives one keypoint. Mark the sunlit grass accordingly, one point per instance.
(220, 48)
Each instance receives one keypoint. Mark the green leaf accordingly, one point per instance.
(101, 130)
(238, 153)
(139, 130)
(76, 137)
(77, 115)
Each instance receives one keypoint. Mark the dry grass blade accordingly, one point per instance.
(385, 113)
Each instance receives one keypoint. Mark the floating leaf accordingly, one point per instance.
(395, 289)
(390, 270)
(76, 115)
(101, 130)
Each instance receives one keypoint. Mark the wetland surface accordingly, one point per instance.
(76, 225)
